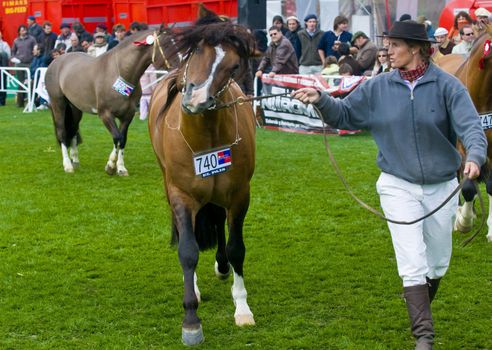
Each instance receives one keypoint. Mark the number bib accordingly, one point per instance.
(213, 162)
(123, 87)
(486, 120)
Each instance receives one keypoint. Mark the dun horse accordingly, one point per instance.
(204, 140)
(107, 85)
(475, 72)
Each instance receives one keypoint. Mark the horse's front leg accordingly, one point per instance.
(120, 164)
(236, 251)
(465, 213)
(110, 123)
(489, 218)
(188, 252)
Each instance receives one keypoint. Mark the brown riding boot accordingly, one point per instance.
(419, 311)
(433, 286)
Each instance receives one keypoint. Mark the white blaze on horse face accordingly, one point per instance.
(200, 94)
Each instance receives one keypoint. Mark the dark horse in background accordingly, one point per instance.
(107, 85)
(204, 141)
(475, 72)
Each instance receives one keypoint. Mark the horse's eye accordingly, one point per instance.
(235, 67)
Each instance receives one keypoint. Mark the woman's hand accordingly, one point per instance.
(306, 95)
(472, 170)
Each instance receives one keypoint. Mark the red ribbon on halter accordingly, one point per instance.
(149, 40)
(486, 51)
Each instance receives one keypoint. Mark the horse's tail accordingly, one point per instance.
(70, 127)
(209, 224)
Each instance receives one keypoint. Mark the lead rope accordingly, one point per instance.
(379, 214)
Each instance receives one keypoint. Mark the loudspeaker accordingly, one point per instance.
(252, 13)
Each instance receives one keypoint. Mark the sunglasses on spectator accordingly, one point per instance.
(382, 55)
(468, 34)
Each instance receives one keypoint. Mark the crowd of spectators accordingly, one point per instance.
(37, 45)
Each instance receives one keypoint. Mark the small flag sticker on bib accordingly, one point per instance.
(212, 162)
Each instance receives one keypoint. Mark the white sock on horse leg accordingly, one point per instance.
(120, 163)
(243, 314)
(67, 163)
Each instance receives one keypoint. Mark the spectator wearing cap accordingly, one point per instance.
(405, 17)
(34, 29)
(47, 41)
(467, 38)
(280, 57)
(483, 15)
(310, 36)
(444, 45)
(294, 26)
(134, 27)
(332, 38)
(64, 36)
(102, 28)
(278, 21)
(366, 54)
(100, 45)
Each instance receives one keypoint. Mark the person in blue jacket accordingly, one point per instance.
(415, 113)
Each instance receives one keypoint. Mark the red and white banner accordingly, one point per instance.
(288, 114)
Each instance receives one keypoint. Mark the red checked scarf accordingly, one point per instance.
(414, 74)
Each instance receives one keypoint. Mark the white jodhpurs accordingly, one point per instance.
(424, 248)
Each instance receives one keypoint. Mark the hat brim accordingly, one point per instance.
(433, 41)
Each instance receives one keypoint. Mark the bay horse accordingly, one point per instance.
(475, 72)
(107, 85)
(204, 141)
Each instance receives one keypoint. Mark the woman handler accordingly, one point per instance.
(415, 114)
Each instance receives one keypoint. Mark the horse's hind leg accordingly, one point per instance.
(60, 111)
(235, 253)
(110, 124)
(74, 150)
(222, 266)
(465, 213)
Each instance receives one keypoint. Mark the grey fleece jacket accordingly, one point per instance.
(416, 131)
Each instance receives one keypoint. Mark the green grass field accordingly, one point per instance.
(85, 261)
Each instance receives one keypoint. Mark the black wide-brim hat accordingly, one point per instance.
(409, 30)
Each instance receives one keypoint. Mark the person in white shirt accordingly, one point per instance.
(467, 38)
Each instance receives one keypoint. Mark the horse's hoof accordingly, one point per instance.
(109, 170)
(68, 169)
(220, 275)
(123, 172)
(463, 227)
(192, 336)
(244, 320)
(76, 165)
(489, 238)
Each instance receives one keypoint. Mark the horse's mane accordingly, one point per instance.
(215, 30)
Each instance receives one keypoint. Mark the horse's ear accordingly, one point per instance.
(204, 12)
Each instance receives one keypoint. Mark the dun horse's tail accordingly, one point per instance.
(71, 128)
(209, 224)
